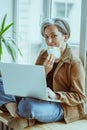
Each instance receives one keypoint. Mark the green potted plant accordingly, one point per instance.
(8, 42)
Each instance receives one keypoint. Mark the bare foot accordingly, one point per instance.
(12, 107)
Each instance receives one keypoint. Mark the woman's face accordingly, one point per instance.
(53, 36)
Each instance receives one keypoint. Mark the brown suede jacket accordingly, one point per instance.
(69, 84)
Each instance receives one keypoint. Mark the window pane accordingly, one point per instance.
(28, 27)
(70, 10)
(58, 9)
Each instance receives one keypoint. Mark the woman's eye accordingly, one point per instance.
(45, 37)
(54, 36)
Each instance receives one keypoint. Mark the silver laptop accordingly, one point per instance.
(24, 80)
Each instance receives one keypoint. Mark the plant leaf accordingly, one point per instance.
(3, 22)
(0, 49)
(5, 29)
(16, 46)
(12, 52)
(10, 49)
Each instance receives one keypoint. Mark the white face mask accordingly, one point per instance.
(54, 51)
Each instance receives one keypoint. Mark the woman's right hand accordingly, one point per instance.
(48, 63)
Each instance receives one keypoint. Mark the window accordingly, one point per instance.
(70, 10)
(28, 15)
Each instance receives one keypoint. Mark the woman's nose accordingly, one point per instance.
(49, 40)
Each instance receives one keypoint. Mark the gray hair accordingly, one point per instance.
(61, 24)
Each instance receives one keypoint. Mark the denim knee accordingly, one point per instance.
(25, 108)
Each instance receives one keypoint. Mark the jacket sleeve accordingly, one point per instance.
(75, 94)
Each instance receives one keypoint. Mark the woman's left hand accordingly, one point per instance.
(51, 94)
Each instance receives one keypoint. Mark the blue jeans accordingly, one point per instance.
(43, 111)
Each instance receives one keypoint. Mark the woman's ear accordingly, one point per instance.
(66, 37)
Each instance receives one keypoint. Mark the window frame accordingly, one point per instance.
(83, 41)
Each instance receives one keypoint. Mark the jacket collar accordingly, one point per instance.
(67, 55)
